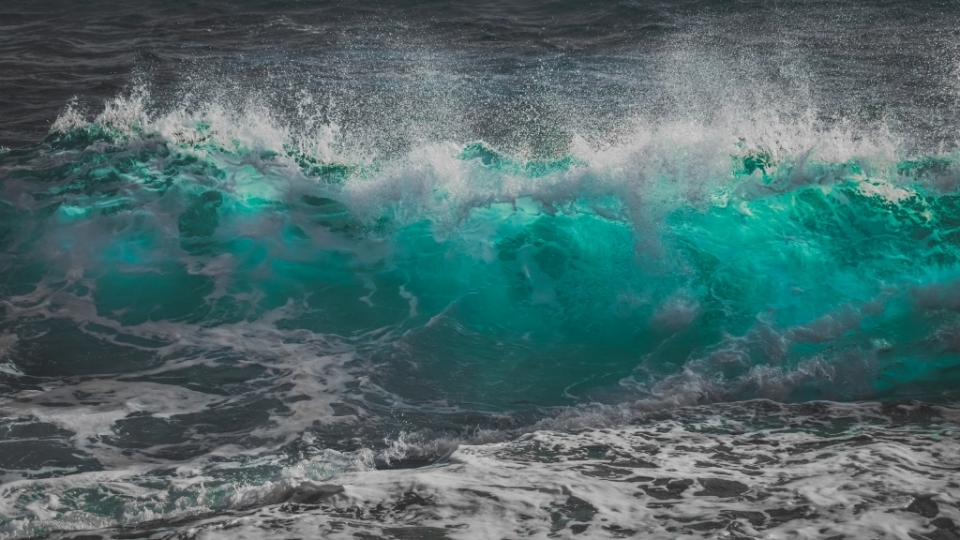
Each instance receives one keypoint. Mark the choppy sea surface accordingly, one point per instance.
(305, 269)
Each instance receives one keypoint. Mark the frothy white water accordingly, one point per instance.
(743, 471)
(651, 165)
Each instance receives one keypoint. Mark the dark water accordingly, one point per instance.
(247, 249)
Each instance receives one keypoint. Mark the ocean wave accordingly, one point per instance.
(226, 309)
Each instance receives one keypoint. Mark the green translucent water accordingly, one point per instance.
(798, 279)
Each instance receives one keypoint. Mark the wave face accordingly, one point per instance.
(464, 276)
(233, 274)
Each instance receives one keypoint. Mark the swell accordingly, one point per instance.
(463, 276)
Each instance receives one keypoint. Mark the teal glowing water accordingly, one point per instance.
(461, 276)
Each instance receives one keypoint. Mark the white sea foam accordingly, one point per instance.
(705, 473)
(652, 165)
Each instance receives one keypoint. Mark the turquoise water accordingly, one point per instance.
(461, 275)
